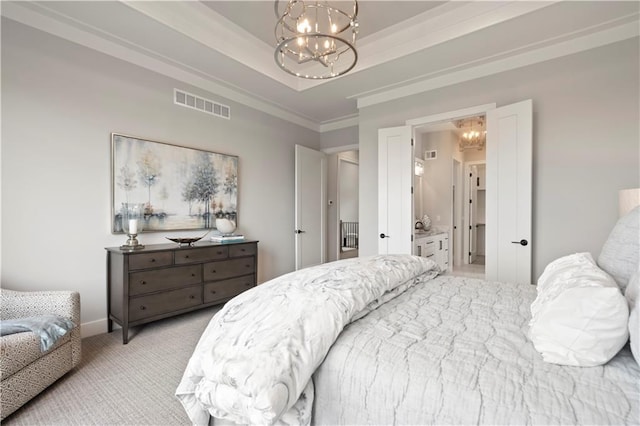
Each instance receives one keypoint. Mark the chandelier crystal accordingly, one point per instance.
(316, 40)
(472, 133)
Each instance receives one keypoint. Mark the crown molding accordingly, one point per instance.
(204, 25)
(340, 123)
(41, 18)
(435, 26)
(628, 27)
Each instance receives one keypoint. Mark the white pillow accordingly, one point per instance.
(632, 293)
(579, 317)
(621, 252)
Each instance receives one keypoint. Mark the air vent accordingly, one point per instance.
(192, 101)
(430, 155)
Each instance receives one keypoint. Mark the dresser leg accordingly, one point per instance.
(109, 325)
(125, 334)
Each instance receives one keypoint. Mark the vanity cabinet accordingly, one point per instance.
(434, 247)
(164, 280)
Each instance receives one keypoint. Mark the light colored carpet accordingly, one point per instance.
(118, 384)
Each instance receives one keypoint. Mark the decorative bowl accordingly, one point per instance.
(184, 241)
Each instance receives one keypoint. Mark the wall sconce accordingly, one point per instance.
(419, 168)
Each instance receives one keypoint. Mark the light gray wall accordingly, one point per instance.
(585, 142)
(60, 102)
(339, 138)
(437, 179)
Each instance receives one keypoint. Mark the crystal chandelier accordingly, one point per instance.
(316, 40)
(472, 136)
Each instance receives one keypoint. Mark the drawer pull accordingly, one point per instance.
(142, 307)
(186, 256)
(213, 292)
(248, 284)
(242, 249)
(143, 282)
(219, 252)
(193, 275)
(213, 271)
(153, 260)
(192, 297)
(248, 266)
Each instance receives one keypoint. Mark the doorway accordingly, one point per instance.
(474, 235)
(444, 195)
(347, 205)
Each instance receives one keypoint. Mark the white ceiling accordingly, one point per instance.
(404, 47)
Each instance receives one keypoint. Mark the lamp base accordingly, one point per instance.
(132, 244)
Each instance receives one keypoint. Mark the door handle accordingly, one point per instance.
(384, 236)
(521, 242)
(299, 231)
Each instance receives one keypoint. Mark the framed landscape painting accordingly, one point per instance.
(179, 188)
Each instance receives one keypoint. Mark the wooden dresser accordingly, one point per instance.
(164, 280)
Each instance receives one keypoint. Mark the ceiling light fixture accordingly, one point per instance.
(471, 136)
(310, 38)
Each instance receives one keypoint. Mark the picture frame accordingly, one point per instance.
(179, 188)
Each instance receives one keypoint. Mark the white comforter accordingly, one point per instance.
(254, 361)
(454, 350)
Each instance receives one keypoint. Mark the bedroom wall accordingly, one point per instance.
(333, 140)
(60, 103)
(436, 182)
(585, 142)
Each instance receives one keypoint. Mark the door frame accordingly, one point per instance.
(467, 213)
(333, 219)
(457, 214)
(338, 182)
(449, 116)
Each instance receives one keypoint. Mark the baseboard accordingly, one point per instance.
(94, 328)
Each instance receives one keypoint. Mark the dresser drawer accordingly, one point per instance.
(201, 255)
(162, 303)
(240, 250)
(228, 268)
(163, 279)
(227, 289)
(150, 260)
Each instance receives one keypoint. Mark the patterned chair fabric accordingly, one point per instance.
(24, 370)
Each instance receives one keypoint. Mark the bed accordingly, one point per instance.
(389, 340)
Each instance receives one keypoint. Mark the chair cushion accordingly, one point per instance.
(48, 327)
(21, 349)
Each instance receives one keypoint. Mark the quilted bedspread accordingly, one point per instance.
(453, 350)
(253, 363)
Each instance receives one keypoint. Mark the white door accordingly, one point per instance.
(395, 181)
(508, 208)
(310, 210)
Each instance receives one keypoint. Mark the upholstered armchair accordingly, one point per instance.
(25, 369)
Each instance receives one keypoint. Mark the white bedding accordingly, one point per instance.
(452, 350)
(257, 355)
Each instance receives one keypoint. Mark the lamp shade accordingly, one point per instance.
(627, 200)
